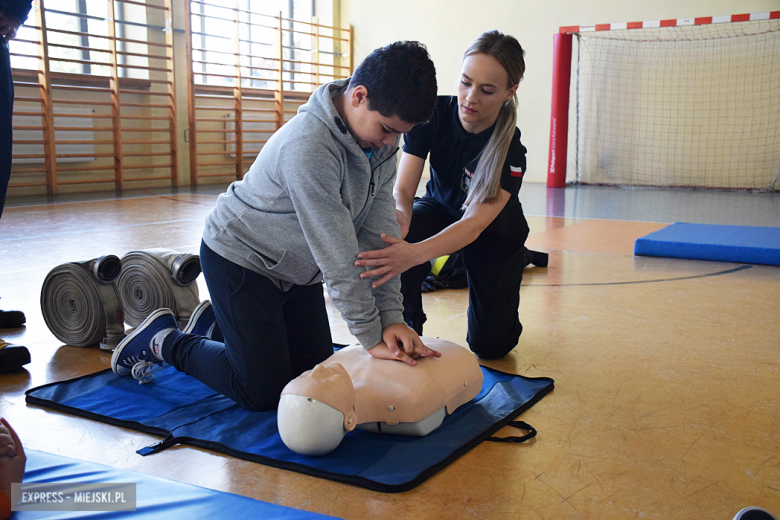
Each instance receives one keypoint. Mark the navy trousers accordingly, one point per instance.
(6, 121)
(271, 336)
(494, 269)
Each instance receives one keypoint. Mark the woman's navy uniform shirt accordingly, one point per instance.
(454, 154)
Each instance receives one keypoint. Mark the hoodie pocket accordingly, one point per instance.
(291, 267)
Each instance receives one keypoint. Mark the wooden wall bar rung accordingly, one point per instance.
(61, 141)
(80, 62)
(21, 55)
(78, 128)
(78, 48)
(91, 181)
(144, 105)
(150, 178)
(85, 155)
(141, 67)
(146, 154)
(222, 163)
(148, 5)
(149, 166)
(198, 49)
(143, 92)
(29, 184)
(76, 33)
(148, 118)
(83, 116)
(221, 152)
(126, 40)
(79, 102)
(81, 88)
(142, 55)
(26, 84)
(85, 169)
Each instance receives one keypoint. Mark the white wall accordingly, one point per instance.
(448, 26)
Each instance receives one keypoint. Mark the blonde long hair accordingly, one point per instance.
(486, 181)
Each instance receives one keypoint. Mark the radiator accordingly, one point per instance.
(35, 119)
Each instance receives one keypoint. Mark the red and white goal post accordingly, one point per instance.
(693, 102)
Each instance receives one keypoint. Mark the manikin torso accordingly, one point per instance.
(351, 388)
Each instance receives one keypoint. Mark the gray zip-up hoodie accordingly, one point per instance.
(309, 204)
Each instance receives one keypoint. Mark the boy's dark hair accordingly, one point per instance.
(401, 81)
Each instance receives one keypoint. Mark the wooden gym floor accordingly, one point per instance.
(667, 400)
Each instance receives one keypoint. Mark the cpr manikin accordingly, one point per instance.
(353, 389)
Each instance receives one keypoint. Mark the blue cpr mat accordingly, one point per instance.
(156, 498)
(185, 411)
(740, 244)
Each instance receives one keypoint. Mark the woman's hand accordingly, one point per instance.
(391, 261)
(402, 344)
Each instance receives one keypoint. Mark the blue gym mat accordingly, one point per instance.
(185, 411)
(156, 498)
(740, 244)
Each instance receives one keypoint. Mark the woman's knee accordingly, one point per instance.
(494, 344)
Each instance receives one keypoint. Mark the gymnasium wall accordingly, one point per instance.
(448, 26)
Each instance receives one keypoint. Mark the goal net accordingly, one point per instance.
(694, 104)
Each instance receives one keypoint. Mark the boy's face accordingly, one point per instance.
(370, 128)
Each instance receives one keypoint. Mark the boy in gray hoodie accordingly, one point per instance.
(319, 193)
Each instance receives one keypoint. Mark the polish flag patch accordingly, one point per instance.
(515, 171)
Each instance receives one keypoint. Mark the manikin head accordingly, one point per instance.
(317, 409)
(391, 91)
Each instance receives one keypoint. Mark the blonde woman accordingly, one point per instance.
(471, 201)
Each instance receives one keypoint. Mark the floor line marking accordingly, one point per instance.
(719, 273)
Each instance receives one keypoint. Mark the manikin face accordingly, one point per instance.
(370, 128)
(483, 88)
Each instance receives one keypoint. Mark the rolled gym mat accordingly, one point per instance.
(81, 305)
(158, 278)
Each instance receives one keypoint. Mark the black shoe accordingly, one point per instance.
(12, 357)
(11, 319)
(535, 257)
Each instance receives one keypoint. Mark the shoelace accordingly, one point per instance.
(141, 370)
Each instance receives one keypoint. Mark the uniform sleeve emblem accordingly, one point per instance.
(515, 171)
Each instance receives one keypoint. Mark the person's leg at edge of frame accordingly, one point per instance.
(494, 277)
(6, 121)
(253, 364)
(8, 319)
(428, 218)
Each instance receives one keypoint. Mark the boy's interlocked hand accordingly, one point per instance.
(403, 344)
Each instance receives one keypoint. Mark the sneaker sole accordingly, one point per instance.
(118, 350)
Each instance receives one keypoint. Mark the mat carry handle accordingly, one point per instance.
(520, 425)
